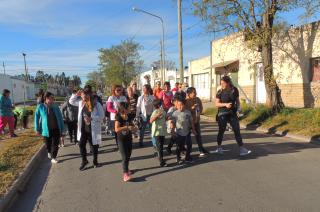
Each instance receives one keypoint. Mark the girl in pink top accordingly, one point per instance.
(167, 97)
(113, 105)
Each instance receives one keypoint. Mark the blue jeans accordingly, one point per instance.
(154, 141)
(143, 129)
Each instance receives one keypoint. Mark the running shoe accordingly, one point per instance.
(96, 165)
(163, 164)
(83, 165)
(13, 136)
(54, 161)
(49, 156)
(126, 177)
(190, 160)
(219, 151)
(244, 151)
(179, 161)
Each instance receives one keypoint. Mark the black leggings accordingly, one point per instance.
(112, 124)
(87, 137)
(199, 138)
(125, 148)
(159, 143)
(52, 142)
(72, 130)
(234, 122)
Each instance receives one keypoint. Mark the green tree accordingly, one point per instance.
(121, 63)
(92, 83)
(258, 20)
(98, 77)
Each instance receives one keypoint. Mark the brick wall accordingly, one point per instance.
(294, 95)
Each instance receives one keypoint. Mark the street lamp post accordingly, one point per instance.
(26, 78)
(163, 63)
(25, 66)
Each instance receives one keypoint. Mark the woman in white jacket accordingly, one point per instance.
(144, 110)
(90, 117)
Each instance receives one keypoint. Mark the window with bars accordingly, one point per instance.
(315, 69)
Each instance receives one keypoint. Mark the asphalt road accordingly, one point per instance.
(281, 174)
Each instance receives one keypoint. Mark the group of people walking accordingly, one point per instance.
(170, 114)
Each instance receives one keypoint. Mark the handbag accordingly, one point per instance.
(225, 113)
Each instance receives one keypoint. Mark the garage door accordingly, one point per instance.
(201, 83)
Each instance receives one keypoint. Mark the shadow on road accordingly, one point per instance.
(27, 200)
(259, 149)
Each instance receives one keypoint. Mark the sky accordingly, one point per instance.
(65, 35)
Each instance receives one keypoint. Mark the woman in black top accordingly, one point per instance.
(228, 104)
(124, 133)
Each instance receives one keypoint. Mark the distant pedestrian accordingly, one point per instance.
(132, 99)
(39, 96)
(158, 121)
(180, 93)
(124, 131)
(6, 113)
(176, 88)
(90, 117)
(21, 114)
(157, 91)
(48, 122)
(113, 105)
(167, 96)
(194, 105)
(135, 89)
(144, 110)
(70, 115)
(228, 104)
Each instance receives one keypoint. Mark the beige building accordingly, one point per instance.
(296, 57)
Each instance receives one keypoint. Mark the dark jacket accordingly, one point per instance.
(69, 112)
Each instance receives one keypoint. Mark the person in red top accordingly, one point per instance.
(157, 91)
(167, 97)
(176, 88)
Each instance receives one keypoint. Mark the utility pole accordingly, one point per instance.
(161, 64)
(25, 66)
(4, 68)
(180, 42)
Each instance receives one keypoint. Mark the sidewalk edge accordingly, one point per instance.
(20, 183)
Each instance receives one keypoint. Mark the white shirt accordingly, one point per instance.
(116, 102)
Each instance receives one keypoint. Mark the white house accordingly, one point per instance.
(152, 76)
(20, 90)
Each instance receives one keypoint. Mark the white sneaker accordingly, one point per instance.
(49, 156)
(244, 151)
(219, 151)
(62, 145)
(54, 161)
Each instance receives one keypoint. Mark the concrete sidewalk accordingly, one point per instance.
(281, 175)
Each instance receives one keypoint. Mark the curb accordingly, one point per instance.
(307, 139)
(20, 183)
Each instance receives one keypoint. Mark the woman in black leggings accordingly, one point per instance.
(228, 104)
(124, 129)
